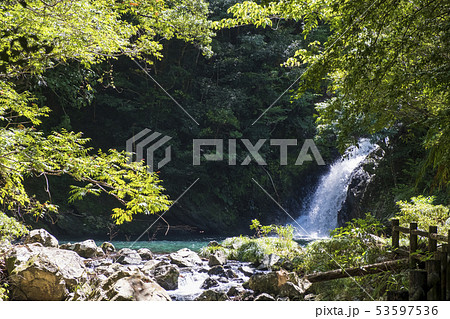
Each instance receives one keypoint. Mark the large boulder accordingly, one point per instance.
(127, 256)
(41, 236)
(129, 286)
(185, 258)
(167, 276)
(280, 283)
(86, 249)
(270, 282)
(218, 258)
(44, 273)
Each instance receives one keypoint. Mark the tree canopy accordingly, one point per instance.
(386, 61)
(39, 35)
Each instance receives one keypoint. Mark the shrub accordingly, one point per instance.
(422, 211)
(10, 228)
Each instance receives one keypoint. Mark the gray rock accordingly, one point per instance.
(44, 273)
(212, 295)
(217, 271)
(149, 267)
(264, 297)
(127, 256)
(126, 286)
(41, 236)
(268, 282)
(247, 271)
(268, 261)
(292, 291)
(107, 247)
(185, 258)
(145, 254)
(302, 283)
(231, 274)
(167, 276)
(218, 258)
(88, 249)
(235, 291)
(209, 283)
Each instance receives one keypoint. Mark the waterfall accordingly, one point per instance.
(320, 214)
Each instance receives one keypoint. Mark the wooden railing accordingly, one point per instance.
(429, 277)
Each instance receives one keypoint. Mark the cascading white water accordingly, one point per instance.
(320, 215)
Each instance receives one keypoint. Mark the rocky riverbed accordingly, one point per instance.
(41, 269)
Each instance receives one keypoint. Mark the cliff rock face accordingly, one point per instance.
(362, 190)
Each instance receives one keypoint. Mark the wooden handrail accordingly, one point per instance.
(420, 233)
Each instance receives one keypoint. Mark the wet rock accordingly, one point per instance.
(247, 271)
(268, 282)
(128, 256)
(167, 276)
(235, 291)
(203, 270)
(264, 297)
(185, 258)
(238, 293)
(218, 258)
(231, 274)
(363, 187)
(145, 254)
(44, 273)
(41, 236)
(209, 283)
(107, 247)
(217, 271)
(212, 295)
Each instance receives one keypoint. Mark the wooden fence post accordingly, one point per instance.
(412, 245)
(433, 268)
(443, 259)
(417, 285)
(395, 234)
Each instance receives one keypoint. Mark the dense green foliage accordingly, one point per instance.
(10, 228)
(387, 63)
(224, 94)
(422, 211)
(253, 249)
(38, 36)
